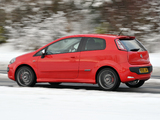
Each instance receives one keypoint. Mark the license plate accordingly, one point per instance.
(143, 70)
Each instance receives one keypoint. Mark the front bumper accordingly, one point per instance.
(10, 71)
(7, 69)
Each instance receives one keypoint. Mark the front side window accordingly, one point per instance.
(95, 44)
(64, 46)
(39, 53)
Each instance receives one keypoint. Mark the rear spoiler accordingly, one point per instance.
(126, 37)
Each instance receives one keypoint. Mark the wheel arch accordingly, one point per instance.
(22, 66)
(103, 68)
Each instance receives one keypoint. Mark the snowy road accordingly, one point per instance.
(150, 86)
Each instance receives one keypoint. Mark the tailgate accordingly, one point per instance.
(137, 54)
(138, 58)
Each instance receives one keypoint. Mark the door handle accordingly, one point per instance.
(73, 56)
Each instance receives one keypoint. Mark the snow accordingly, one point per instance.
(3, 75)
(7, 52)
(50, 103)
(155, 58)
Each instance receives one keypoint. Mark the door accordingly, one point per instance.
(92, 53)
(61, 60)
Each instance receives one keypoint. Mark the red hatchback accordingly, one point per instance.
(89, 58)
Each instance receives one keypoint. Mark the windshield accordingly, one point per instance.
(133, 45)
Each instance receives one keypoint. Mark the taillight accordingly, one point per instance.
(120, 45)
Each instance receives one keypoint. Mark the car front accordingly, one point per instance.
(26, 59)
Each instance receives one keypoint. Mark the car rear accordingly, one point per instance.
(139, 65)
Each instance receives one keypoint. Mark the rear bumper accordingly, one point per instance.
(132, 73)
(136, 69)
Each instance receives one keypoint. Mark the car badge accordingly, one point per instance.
(141, 55)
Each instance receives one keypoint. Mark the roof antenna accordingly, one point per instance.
(120, 32)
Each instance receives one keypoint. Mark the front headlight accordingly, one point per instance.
(12, 61)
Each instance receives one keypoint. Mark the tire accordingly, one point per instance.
(25, 77)
(54, 83)
(135, 83)
(108, 79)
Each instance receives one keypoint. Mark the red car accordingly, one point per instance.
(89, 58)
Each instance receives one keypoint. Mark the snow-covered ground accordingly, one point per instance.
(17, 103)
(64, 104)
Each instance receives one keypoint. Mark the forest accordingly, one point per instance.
(30, 24)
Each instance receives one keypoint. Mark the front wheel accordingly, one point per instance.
(108, 79)
(25, 77)
(135, 83)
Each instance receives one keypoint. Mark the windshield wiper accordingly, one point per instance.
(135, 49)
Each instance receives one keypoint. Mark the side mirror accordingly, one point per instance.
(43, 53)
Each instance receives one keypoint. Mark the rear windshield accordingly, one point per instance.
(133, 45)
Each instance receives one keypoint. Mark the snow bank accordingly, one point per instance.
(7, 52)
(155, 59)
(65, 104)
(3, 75)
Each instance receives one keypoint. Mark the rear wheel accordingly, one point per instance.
(135, 83)
(54, 83)
(25, 77)
(108, 79)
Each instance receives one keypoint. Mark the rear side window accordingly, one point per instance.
(133, 45)
(95, 44)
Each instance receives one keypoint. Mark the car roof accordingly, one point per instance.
(92, 35)
(101, 36)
